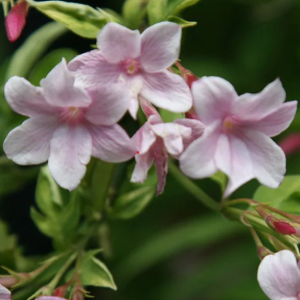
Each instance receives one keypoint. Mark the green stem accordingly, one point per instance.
(237, 201)
(61, 272)
(193, 188)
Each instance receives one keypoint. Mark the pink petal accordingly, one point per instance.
(5, 294)
(92, 69)
(24, 98)
(143, 164)
(29, 144)
(213, 98)
(161, 162)
(149, 110)
(15, 20)
(172, 135)
(258, 105)
(160, 46)
(112, 143)
(196, 126)
(133, 107)
(168, 91)
(135, 85)
(233, 158)
(70, 152)
(277, 121)
(59, 89)
(197, 161)
(144, 138)
(279, 277)
(268, 158)
(118, 43)
(109, 104)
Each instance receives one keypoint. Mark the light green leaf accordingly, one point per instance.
(276, 197)
(134, 11)
(44, 66)
(181, 22)
(160, 10)
(94, 273)
(33, 48)
(221, 179)
(131, 204)
(79, 18)
(169, 116)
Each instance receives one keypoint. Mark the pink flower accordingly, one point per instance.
(140, 60)
(67, 125)
(279, 276)
(237, 135)
(5, 294)
(15, 20)
(155, 139)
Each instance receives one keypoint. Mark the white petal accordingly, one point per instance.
(168, 91)
(112, 143)
(118, 43)
(26, 99)
(279, 276)
(258, 105)
(213, 98)
(197, 161)
(29, 144)
(160, 46)
(5, 294)
(59, 89)
(142, 166)
(109, 104)
(70, 152)
(92, 69)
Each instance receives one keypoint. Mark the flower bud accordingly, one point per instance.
(280, 226)
(60, 291)
(191, 114)
(290, 144)
(15, 20)
(188, 76)
(263, 252)
(8, 281)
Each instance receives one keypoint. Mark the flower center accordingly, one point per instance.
(131, 66)
(228, 125)
(72, 115)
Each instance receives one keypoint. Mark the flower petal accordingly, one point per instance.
(279, 277)
(160, 46)
(5, 294)
(70, 152)
(168, 91)
(142, 166)
(213, 98)
(24, 98)
(258, 105)
(233, 158)
(59, 89)
(112, 143)
(29, 144)
(109, 104)
(197, 161)
(172, 135)
(92, 69)
(118, 43)
(268, 158)
(277, 121)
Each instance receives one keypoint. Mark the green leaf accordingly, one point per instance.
(283, 196)
(131, 204)
(44, 66)
(33, 48)
(181, 22)
(160, 10)
(94, 273)
(79, 18)
(169, 116)
(134, 11)
(221, 179)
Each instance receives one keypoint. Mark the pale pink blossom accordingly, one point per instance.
(140, 60)
(279, 276)
(155, 139)
(67, 125)
(237, 135)
(5, 294)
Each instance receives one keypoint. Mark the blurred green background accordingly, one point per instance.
(176, 248)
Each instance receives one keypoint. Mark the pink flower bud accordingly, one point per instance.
(263, 252)
(290, 144)
(279, 226)
(16, 20)
(188, 76)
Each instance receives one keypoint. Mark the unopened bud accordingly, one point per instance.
(290, 144)
(191, 114)
(263, 252)
(78, 295)
(280, 226)
(61, 291)
(15, 20)
(8, 281)
(188, 76)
